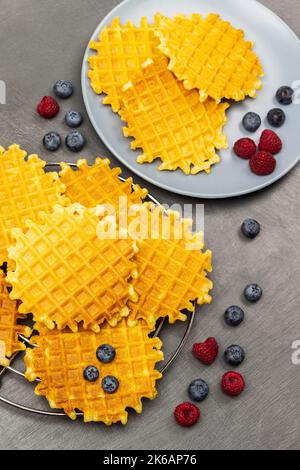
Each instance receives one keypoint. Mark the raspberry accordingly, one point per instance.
(207, 351)
(48, 107)
(232, 383)
(270, 142)
(245, 148)
(263, 163)
(187, 414)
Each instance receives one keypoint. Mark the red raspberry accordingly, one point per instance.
(245, 148)
(207, 351)
(48, 107)
(187, 414)
(232, 383)
(270, 142)
(263, 163)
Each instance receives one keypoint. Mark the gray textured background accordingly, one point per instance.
(42, 41)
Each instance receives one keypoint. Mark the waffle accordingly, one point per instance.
(210, 55)
(61, 356)
(172, 268)
(9, 329)
(99, 184)
(66, 274)
(25, 189)
(120, 52)
(169, 122)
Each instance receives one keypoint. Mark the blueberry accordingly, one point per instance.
(63, 89)
(276, 117)
(105, 353)
(234, 315)
(91, 373)
(250, 228)
(75, 141)
(234, 355)
(73, 118)
(198, 390)
(52, 141)
(285, 95)
(110, 384)
(253, 292)
(251, 122)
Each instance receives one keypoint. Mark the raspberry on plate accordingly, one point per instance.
(48, 107)
(187, 414)
(262, 164)
(232, 383)
(207, 351)
(245, 148)
(270, 142)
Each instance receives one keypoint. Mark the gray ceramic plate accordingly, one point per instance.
(279, 50)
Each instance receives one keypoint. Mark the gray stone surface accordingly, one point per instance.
(43, 40)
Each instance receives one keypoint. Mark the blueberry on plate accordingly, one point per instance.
(285, 95)
(105, 353)
(52, 141)
(73, 118)
(253, 292)
(91, 373)
(276, 117)
(63, 89)
(75, 141)
(110, 384)
(198, 390)
(234, 315)
(250, 228)
(251, 122)
(234, 355)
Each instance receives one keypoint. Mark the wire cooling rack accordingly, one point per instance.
(10, 369)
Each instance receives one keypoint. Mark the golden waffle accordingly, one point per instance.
(99, 184)
(120, 52)
(61, 357)
(210, 55)
(9, 329)
(172, 268)
(169, 122)
(25, 190)
(66, 274)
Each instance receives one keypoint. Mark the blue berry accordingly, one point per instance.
(251, 122)
(91, 373)
(234, 315)
(52, 141)
(198, 390)
(234, 355)
(276, 117)
(285, 95)
(105, 353)
(75, 141)
(253, 292)
(73, 118)
(110, 384)
(63, 89)
(250, 228)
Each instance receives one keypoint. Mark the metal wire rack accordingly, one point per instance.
(160, 325)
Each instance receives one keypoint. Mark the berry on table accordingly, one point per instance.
(105, 353)
(75, 141)
(63, 89)
(251, 122)
(91, 373)
(250, 228)
(263, 163)
(245, 148)
(48, 108)
(285, 95)
(187, 414)
(276, 117)
(253, 292)
(73, 118)
(207, 351)
(232, 383)
(234, 315)
(110, 384)
(52, 141)
(270, 142)
(198, 390)
(234, 355)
